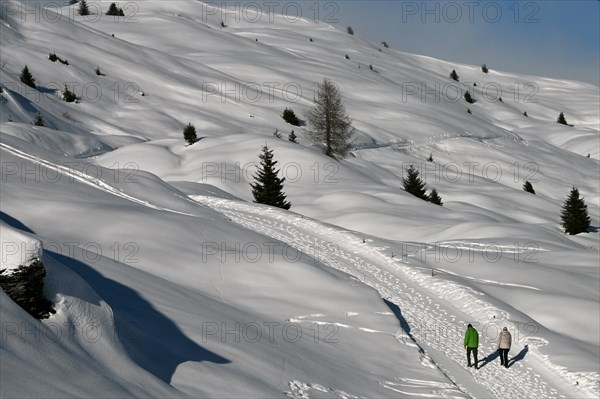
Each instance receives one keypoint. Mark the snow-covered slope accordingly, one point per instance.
(168, 283)
(18, 249)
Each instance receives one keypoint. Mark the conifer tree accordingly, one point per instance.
(290, 117)
(561, 119)
(413, 184)
(292, 137)
(574, 215)
(38, 121)
(114, 10)
(27, 78)
(68, 95)
(454, 75)
(435, 198)
(277, 134)
(53, 57)
(350, 30)
(83, 8)
(528, 187)
(268, 187)
(329, 123)
(484, 68)
(468, 97)
(189, 134)
(430, 159)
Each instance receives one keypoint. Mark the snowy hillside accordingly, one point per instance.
(168, 281)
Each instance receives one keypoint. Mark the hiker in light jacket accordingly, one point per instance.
(471, 344)
(504, 342)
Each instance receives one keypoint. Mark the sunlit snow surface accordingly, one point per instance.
(169, 282)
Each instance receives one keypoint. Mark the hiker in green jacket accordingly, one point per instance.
(471, 344)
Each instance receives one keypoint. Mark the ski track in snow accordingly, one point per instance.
(426, 304)
(85, 179)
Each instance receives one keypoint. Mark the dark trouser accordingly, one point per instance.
(503, 357)
(474, 350)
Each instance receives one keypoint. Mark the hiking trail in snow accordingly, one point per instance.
(436, 311)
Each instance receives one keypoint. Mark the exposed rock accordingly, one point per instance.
(25, 286)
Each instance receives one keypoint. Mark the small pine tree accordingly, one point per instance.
(268, 187)
(83, 8)
(525, 114)
(189, 134)
(223, 25)
(53, 57)
(114, 10)
(435, 198)
(430, 159)
(385, 44)
(561, 119)
(292, 137)
(290, 117)
(500, 99)
(528, 187)
(454, 75)
(38, 121)
(68, 95)
(277, 134)
(413, 183)
(574, 215)
(98, 71)
(469, 111)
(27, 78)
(350, 30)
(484, 68)
(468, 97)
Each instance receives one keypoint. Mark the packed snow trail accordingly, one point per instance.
(437, 313)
